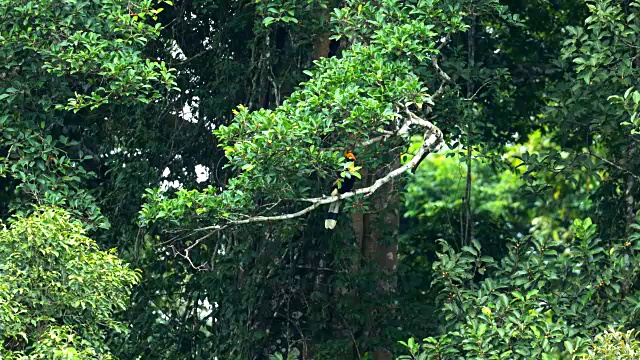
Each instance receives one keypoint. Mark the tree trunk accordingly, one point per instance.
(376, 234)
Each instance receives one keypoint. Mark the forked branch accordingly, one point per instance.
(432, 141)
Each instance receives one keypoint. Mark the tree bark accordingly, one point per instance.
(376, 234)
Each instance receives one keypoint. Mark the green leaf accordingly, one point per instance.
(518, 295)
(268, 20)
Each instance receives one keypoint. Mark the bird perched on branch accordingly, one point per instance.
(342, 185)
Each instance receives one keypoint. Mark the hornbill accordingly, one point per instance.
(340, 186)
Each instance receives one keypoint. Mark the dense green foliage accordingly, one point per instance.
(614, 344)
(545, 296)
(66, 55)
(58, 292)
(199, 138)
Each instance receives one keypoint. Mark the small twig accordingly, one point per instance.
(443, 42)
(614, 165)
(445, 77)
(175, 238)
(185, 253)
(479, 88)
(274, 204)
(466, 233)
(375, 140)
(353, 339)
(186, 257)
(413, 120)
(198, 241)
(182, 62)
(302, 267)
(387, 134)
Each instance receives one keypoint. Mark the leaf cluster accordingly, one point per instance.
(544, 299)
(58, 292)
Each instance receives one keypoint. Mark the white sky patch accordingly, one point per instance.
(126, 153)
(176, 52)
(202, 173)
(204, 308)
(207, 44)
(166, 184)
(207, 41)
(190, 110)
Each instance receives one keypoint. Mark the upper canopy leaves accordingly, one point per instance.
(352, 102)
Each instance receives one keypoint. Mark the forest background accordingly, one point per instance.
(165, 170)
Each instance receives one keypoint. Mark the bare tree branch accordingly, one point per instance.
(376, 139)
(445, 77)
(626, 171)
(387, 134)
(433, 139)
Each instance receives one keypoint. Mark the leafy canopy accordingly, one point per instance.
(346, 104)
(58, 292)
(545, 298)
